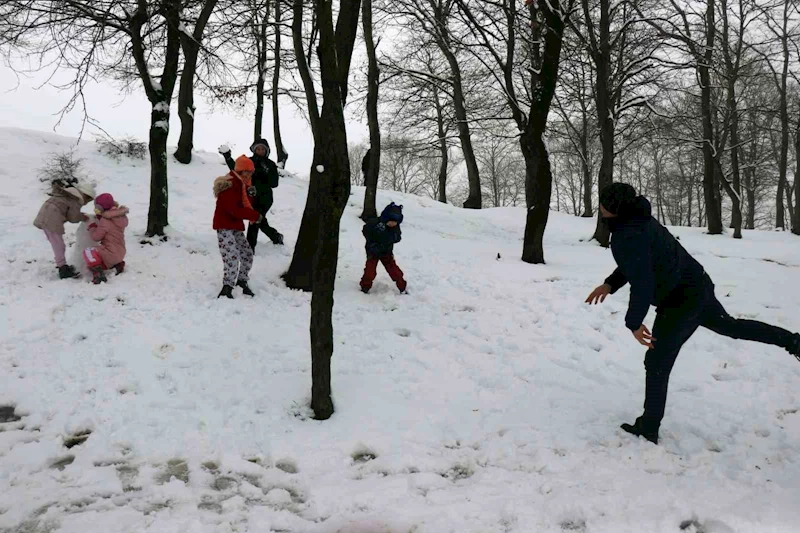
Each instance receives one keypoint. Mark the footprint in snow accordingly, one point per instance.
(77, 438)
(573, 525)
(287, 465)
(8, 414)
(163, 351)
(363, 454)
(62, 462)
(175, 468)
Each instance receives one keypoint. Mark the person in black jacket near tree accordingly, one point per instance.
(265, 179)
(382, 233)
(662, 273)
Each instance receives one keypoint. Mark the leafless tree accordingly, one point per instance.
(622, 50)
(523, 54)
(191, 44)
(431, 23)
(124, 41)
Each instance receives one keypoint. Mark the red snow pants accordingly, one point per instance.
(371, 270)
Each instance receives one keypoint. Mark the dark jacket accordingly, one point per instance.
(380, 237)
(650, 259)
(265, 178)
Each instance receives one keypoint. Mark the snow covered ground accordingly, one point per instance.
(487, 400)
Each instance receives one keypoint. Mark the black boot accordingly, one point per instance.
(245, 288)
(98, 276)
(67, 272)
(278, 239)
(639, 429)
(119, 267)
(794, 345)
(227, 292)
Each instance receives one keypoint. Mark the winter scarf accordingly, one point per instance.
(224, 183)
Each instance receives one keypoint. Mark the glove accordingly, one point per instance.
(224, 149)
(251, 191)
(380, 226)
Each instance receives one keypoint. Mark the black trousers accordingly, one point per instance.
(269, 231)
(686, 309)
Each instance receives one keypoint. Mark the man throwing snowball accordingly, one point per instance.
(662, 273)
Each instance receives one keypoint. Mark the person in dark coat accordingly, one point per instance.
(365, 166)
(382, 233)
(265, 179)
(662, 273)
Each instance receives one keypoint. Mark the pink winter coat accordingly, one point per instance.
(109, 231)
(60, 208)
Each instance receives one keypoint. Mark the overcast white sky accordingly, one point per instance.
(23, 106)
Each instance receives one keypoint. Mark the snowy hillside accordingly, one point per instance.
(487, 400)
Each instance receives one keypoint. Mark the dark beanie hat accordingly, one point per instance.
(617, 196)
(392, 212)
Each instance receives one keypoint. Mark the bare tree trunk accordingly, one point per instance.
(796, 217)
(474, 199)
(157, 218)
(280, 150)
(160, 95)
(261, 80)
(334, 189)
(709, 171)
(443, 151)
(734, 190)
(373, 79)
(186, 108)
(588, 211)
(302, 66)
(298, 276)
(605, 112)
(538, 173)
(780, 221)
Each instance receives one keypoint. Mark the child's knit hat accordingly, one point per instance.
(244, 164)
(392, 212)
(104, 202)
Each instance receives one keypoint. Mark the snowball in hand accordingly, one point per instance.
(224, 149)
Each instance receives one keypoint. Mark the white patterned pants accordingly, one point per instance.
(237, 256)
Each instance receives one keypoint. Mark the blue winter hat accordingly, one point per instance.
(392, 212)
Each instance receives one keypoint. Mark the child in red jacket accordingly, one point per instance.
(233, 193)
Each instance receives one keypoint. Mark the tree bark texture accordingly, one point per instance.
(331, 170)
(298, 276)
(443, 39)
(280, 150)
(538, 173)
(373, 79)
(709, 171)
(602, 60)
(186, 109)
(444, 153)
(159, 94)
(260, 31)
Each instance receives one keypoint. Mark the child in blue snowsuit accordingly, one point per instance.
(382, 233)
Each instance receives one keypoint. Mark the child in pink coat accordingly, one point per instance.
(109, 231)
